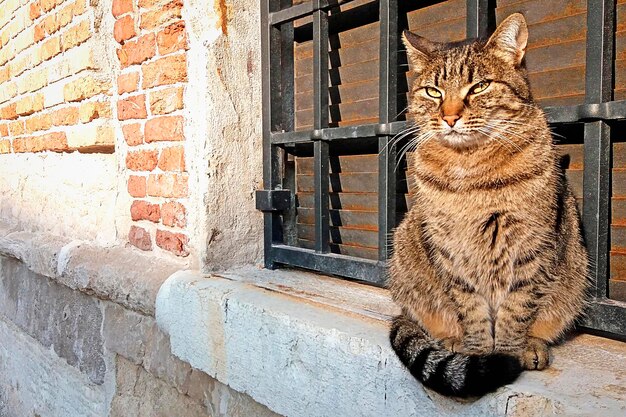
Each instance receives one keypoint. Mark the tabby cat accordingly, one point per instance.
(489, 265)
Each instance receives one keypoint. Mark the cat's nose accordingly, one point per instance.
(451, 119)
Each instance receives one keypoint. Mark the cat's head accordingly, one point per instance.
(470, 93)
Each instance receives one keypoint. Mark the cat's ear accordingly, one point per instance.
(418, 49)
(510, 39)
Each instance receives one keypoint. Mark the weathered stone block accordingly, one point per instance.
(67, 321)
(34, 381)
(141, 394)
(125, 332)
(125, 276)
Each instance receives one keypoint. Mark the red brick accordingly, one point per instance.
(4, 73)
(76, 35)
(139, 237)
(149, 4)
(132, 134)
(79, 7)
(9, 112)
(48, 5)
(26, 144)
(49, 24)
(127, 83)
(172, 159)
(132, 108)
(5, 146)
(172, 38)
(65, 15)
(164, 128)
(166, 101)
(136, 52)
(168, 70)
(168, 185)
(50, 48)
(55, 141)
(35, 10)
(92, 110)
(124, 29)
(39, 122)
(137, 186)
(16, 128)
(85, 87)
(39, 33)
(173, 214)
(143, 210)
(161, 15)
(29, 104)
(65, 117)
(172, 242)
(121, 6)
(142, 160)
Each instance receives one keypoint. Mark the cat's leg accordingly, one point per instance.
(563, 299)
(474, 316)
(512, 324)
(547, 328)
(535, 354)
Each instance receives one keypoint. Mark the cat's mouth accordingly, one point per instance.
(461, 139)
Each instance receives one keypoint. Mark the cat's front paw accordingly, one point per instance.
(535, 355)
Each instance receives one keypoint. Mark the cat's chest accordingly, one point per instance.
(479, 238)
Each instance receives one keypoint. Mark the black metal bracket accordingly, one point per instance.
(273, 200)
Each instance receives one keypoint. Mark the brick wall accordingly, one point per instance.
(53, 96)
(153, 61)
(69, 82)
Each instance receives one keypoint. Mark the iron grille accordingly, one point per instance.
(282, 142)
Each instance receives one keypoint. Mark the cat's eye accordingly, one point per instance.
(433, 92)
(479, 87)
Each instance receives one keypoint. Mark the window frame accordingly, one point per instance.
(277, 199)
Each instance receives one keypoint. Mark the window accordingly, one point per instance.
(335, 182)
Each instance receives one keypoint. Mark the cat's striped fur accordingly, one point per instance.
(489, 265)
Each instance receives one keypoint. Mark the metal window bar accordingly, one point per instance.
(279, 138)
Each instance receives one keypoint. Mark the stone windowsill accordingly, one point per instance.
(308, 345)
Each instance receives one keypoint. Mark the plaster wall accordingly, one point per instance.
(224, 124)
(64, 194)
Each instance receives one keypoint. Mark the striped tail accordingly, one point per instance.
(449, 373)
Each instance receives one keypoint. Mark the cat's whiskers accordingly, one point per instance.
(412, 128)
(512, 129)
(493, 132)
(522, 124)
(401, 135)
(489, 134)
(413, 144)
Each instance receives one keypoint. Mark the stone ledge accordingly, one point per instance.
(64, 352)
(124, 275)
(305, 345)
